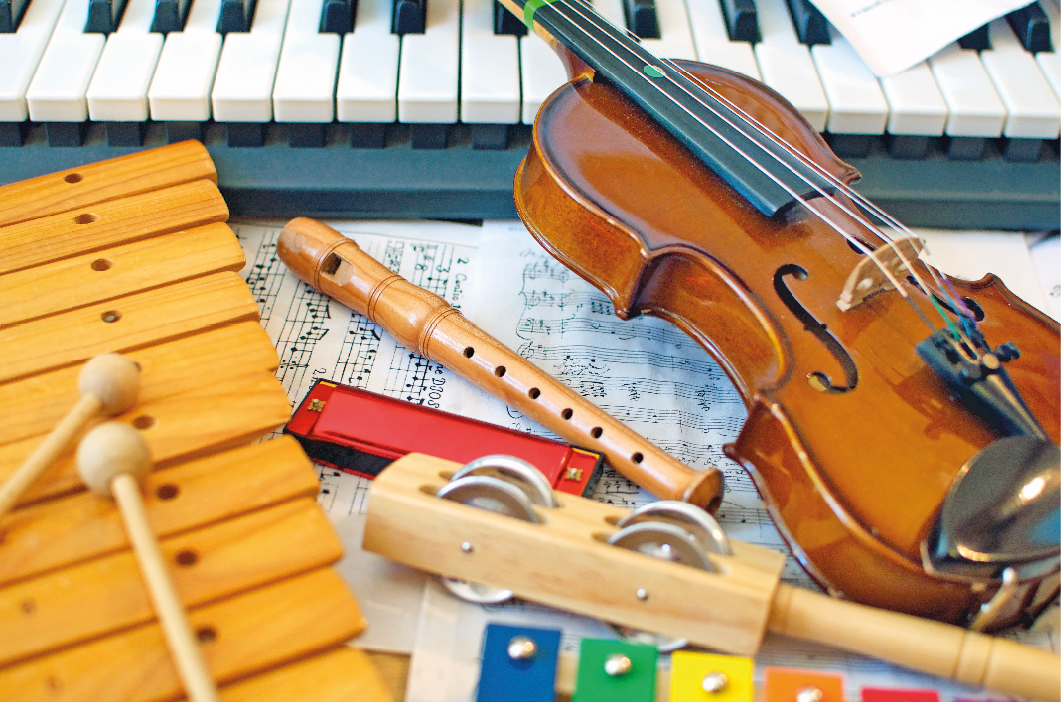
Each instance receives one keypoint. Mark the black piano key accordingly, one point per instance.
(409, 17)
(507, 23)
(908, 146)
(1031, 27)
(1022, 150)
(235, 16)
(976, 40)
(810, 24)
(13, 133)
(641, 18)
(337, 16)
(966, 148)
(170, 15)
(104, 16)
(11, 12)
(741, 21)
(66, 133)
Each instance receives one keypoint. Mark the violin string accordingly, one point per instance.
(941, 281)
(761, 167)
(948, 292)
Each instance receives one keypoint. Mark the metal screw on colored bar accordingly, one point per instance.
(617, 664)
(522, 648)
(809, 694)
(715, 681)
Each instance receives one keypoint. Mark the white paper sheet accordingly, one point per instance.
(893, 35)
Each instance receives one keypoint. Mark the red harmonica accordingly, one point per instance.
(362, 432)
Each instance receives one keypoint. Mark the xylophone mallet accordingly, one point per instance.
(112, 459)
(109, 385)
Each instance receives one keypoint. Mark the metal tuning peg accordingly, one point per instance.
(502, 484)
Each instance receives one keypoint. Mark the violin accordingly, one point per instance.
(890, 408)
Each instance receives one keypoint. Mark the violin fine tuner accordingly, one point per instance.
(565, 561)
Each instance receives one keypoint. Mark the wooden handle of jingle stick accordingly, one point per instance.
(112, 458)
(109, 385)
(424, 322)
(932, 647)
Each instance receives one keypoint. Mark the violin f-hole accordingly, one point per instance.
(818, 380)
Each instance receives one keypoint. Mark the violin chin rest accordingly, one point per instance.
(1003, 511)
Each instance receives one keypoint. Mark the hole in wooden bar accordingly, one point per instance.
(111, 316)
(86, 218)
(73, 177)
(168, 491)
(331, 264)
(637, 457)
(612, 519)
(101, 264)
(499, 371)
(567, 413)
(144, 421)
(534, 393)
(28, 607)
(138, 366)
(469, 352)
(206, 634)
(187, 557)
(431, 490)
(597, 431)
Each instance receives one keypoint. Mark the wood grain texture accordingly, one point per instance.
(344, 675)
(189, 425)
(423, 322)
(33, 405)
(114, 272)
(39, 241)
(242, 635)
(60, 533)
(115, 178)
(565, 562)
(207, 564)
(125, 324)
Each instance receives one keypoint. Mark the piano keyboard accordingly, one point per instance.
(979, 126)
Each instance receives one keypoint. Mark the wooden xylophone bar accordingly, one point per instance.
(133, 256)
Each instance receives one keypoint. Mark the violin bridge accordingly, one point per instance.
(870, 277)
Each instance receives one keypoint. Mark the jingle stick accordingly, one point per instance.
(109, 385)
(423, 322)
(111, 459)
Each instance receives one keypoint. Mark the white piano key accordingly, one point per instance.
(57, 92)
(309, 62)
(429, 65)
(489, 76)
(1049, 61)
(675, 36)
(1032, 110)
(184, 78)
(368, 69)
(20, 54)
(541, 73)
(786, 65)
(118, 91)
(856, 101)
(915, 105)
(713, 44)
(243, 89)
(973, 107)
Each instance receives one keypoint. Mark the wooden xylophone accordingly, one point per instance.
(132, 256)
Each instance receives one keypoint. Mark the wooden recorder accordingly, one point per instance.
(133, 256)
(562, 558)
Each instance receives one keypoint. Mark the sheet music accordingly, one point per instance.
(893, 35)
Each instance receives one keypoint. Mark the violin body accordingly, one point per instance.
(851, 439)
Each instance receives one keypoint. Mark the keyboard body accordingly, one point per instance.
(285, 108)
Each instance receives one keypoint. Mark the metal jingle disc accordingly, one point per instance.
(700, 525)
(515, 471)
(667, 542)
(491, 494)
(475, 592)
